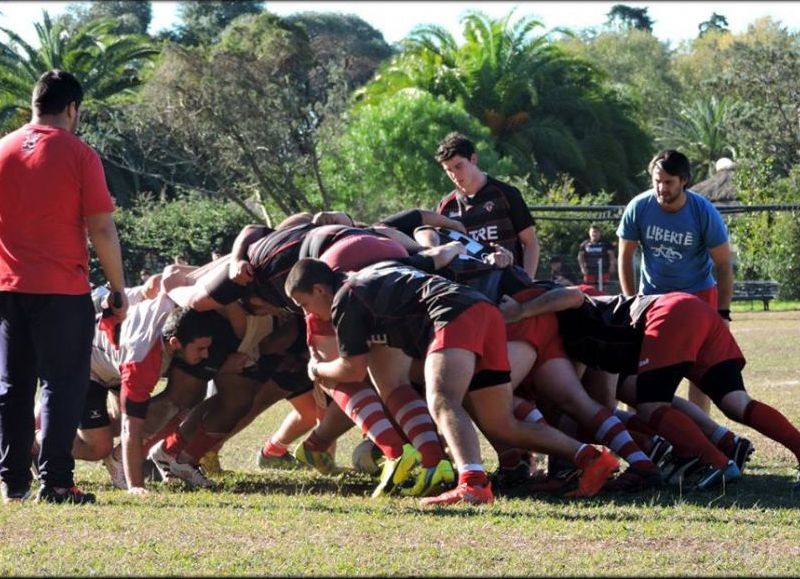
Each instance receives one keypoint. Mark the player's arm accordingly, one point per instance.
(627, 250)
(434, 219)
(350, 369)
(723, 269)
(530, 250)
(103, 235)
(555, 300)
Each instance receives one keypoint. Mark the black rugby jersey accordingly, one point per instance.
(606, 331)
(396, 305)
(272, 257)
(496, 213)
(319, 240)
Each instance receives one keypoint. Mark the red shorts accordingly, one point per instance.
(679, 328)
(541, 331)
(481, 330)
(591, 278)
(358, 251)
(710, 296)
(590, 290)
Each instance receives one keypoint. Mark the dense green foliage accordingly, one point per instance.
(277, 115)
(154, 232)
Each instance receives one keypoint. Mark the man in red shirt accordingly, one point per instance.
(52, 193)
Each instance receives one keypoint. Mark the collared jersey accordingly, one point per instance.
(496, 213)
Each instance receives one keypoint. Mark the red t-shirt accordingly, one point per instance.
(50, 181)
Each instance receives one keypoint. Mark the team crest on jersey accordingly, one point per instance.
(30, 141)
(378, 340)
(489, 206)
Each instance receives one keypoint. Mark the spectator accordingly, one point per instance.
(596, 258)
(52, 194)
(684, 241)
(491, 211)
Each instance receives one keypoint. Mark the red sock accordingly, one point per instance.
(609, 430)
(473, 478)
(274, 448)
(686, 437)
(202, 441)
(772, 424)
(174, 443)
(169, 428)
(361, 403)
(526, 411)
(411, 412)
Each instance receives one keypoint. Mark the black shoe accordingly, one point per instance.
(660, 451)
(678, 469)
(741, 452)
(713, 478)
(14, 495)
(507, 481)
(72, 495)
(634, 480)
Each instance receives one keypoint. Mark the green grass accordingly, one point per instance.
(297, 523)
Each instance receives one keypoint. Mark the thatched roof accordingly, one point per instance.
(720, 187)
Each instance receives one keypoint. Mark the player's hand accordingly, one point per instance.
(311, 369)
(331, 218)
(240, 271)
(500, 257)
(151, 287)
(511, 309)
(138, 491)
(117, 303)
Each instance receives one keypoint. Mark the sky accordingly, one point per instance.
(674, 21)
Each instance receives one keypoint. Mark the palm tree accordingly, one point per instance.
(700, 131)
(106, 64)
(545, 109)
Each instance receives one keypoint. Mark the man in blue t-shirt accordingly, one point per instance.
(684, 241)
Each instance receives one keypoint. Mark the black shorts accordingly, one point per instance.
(95, 409)
(223, 343)
(287, 371)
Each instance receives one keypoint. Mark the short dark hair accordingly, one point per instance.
(454, 144)
(187, 325)
(306, 273)
(673, 162)
(53, 92)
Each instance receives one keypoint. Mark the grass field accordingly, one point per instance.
(299, 523)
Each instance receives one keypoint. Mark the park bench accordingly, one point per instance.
(753, 290)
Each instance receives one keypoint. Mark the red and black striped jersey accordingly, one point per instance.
(496, 213)
(396, 305)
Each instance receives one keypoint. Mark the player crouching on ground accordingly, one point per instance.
(387, 313)
(153, 332)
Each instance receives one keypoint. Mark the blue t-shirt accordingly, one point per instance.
(675, 246)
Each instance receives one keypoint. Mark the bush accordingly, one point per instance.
(153, 232)
(768, 243)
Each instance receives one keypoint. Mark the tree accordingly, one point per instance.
(629, 17)
(382, 161)
(346, 41)
(701, 130)
(238, 120)
(545, 109)
(106, 64)
(132, 16)
(635, 65)
(717, 22)
(203, 22)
